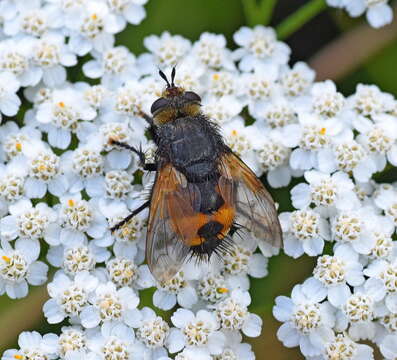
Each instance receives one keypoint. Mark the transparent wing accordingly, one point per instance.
(255, 208)
(168, 230)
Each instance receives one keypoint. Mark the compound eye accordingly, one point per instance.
(158, 104)
(192, 96)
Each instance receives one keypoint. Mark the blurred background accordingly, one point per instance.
(343, 49)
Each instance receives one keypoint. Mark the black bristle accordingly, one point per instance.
(202, 253)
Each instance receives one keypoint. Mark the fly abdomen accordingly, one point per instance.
(200, 171)
(210, 229)
(210, 200)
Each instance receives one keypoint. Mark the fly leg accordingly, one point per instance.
(148, 118)
(139, 152)
(130, 216)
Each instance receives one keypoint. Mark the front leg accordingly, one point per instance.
(139, 152)
(130, 216)
(148, 118)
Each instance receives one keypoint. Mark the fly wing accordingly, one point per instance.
(255, 208)
(169, 229)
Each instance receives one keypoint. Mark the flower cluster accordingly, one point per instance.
(63, 185)
(352, 293)
(378, 12)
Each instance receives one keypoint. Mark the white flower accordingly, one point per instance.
(304, 232)
(383, 247)
(44, 173)
(9, 100)
(297, 80)
(192, 354)
(368, 100)
(77, 217)
(274, 157)
(240, 139)
(386, 200)
(239, 259)
(388, 347)
(378, 12)
(383, 275)
(232, 314)
(39, 163)
(177, 289)
(379, 138)
(222, 83)
(326, 101)
(72, 340)
(92, 28)
(343, 348)
(153, 331)
(33, 345)
(124, 271)
(12, 181)
(221, 110)
(27, 221)
(118, 184)
(78, 257)
(19, 266)
(351, 156)
(356, 228)
(276, 113)
(50, 55)
(15, 139)
(259, 46)
(64, 113)
(129, 239)
(211, 50)
(193, 330)
(115, 338)
(68, 297)
(234, 348)
(328, 193)
(130, 11)
(335, 272)
(110, 304)
(212, 288)
(114, 66)
(96, 96)
(127, 105)
(315, 135)
(308, 321)
(259, 88)
(34, 20)
(359, 312)
(120, 131)
(167, 49)
(15, 57)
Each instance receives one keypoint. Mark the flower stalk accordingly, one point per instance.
(258, 13)
(296, 20)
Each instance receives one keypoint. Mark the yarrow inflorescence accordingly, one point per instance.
(64, 184)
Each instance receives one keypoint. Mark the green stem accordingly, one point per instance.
(266, 9)
(256, 14)
(251, 12)
(299, 18)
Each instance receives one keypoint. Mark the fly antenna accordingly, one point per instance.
(173, 76)
(165, 78)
